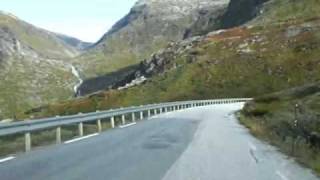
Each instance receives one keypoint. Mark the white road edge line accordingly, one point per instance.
(252, 150)
(128, 125)
(283, 177)
(252, 146)
(7, 159)
(81, 138)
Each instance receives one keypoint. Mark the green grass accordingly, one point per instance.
(289, 10)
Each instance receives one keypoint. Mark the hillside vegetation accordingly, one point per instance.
(290, 120)
(239, 62)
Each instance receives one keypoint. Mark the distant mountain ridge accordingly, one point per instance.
(74, 42)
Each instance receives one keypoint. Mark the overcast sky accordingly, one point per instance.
(87, 20)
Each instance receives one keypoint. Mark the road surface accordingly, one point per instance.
(205, 143)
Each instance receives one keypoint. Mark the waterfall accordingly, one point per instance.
(76, 73)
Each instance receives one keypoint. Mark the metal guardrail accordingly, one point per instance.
(29, 126)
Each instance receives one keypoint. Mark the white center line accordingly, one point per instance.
(7, 159)
(128, 125)
(81, 138)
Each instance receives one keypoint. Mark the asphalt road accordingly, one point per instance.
(204, 143)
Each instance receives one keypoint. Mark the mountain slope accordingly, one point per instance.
(34, 66)
(74, 42)
(32, 39)
(148, 27)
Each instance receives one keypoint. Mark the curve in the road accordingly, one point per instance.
(204, 143)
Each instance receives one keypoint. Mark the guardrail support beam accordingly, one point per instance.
(149, 113)
(123, 119)
(58, 135)
(141, 115)
(112, 122)
(99, 126)
(27, 137)
(133, 117)
(80, 127)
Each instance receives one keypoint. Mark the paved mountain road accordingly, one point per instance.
(204, 143)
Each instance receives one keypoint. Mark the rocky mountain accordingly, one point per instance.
(34, 66)
(148, 27)
(206, 17)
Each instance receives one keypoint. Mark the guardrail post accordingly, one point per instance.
(80, 127)
(165, 109)
(99, 126)
(123, 119)
(27, 137)
(112, 122)
(149, 112)
(58, 135)
(160, 110)
(133, 117)
(155, 112)
(141, 115)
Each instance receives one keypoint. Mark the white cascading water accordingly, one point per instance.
(76, 73)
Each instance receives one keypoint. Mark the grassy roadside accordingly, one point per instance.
(294, 130)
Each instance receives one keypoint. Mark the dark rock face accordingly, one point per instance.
(208, 20)
(108, 81)
(240, 12)
(237, 13)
